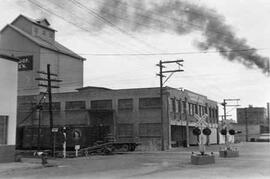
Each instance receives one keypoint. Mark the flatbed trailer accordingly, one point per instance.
(109, 148)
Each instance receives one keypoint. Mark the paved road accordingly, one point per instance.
(254, 162)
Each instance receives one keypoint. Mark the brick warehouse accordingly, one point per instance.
(128, 113)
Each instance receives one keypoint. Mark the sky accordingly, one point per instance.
(123, 54)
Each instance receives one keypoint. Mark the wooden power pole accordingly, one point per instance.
(48, 78)
(161, 75)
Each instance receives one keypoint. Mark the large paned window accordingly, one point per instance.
(101, 104)
(149, 130)
(145, 103)
(75, 105)
(179, 106)
(125, 104)
(3, 129)
(56, 106)
(173, 107)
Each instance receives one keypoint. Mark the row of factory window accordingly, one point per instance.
(123, 104)
(178, 106)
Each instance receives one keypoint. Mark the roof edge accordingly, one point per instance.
(11, 58)
(43, 46)
(32, 21)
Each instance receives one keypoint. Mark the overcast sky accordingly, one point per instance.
(120, 55)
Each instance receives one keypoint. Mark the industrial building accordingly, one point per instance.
(33, 42)
(252, 122)
(8, 105)
(127, 114)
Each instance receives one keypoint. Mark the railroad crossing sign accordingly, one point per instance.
(201, 123)
(228, 139)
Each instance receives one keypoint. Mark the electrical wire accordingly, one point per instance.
(147, 54)
(95, 14)
(74, 24)
(33, 110)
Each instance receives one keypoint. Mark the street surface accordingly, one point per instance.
(254, 162)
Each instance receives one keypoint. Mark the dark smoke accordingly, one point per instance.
(174, 16)
(182, 18)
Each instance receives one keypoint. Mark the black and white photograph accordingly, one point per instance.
(118, 89)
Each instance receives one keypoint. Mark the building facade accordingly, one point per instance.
(33, 42)
(252, 122)
(128, 114)
(252, 115)
(8, 106)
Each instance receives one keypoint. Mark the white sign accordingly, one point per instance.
(77, 147)
(54, 129)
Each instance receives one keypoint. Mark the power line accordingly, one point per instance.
(95, 14)
(72, 23)
(148, 54)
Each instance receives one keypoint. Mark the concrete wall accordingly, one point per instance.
(8, 103)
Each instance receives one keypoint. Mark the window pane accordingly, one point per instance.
(125, 104)
(149, 103)
(55, 106)
(3, 129)
(150, 130)
(75, 105)
(101, 104)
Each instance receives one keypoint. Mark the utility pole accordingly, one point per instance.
(268, 116)
(246, 121)
(268, 67)
(39, 107)
(187, 122)
(225, 104)
(49, 87)
(161, 72)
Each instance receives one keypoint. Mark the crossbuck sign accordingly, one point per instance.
(201, 123)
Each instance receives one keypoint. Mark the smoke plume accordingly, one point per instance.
(174, 16)
(182, 17)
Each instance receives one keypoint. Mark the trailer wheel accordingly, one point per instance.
(132, 147)
(125, 148)
(107, 150)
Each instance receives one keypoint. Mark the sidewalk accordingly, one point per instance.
(27, 163)
(35, 163)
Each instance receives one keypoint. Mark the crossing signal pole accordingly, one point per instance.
(161, 76)
(224, 117)
(48, 78)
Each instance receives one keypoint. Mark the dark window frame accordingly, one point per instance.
(56, 106)
(121, 105)
(4, 137)
(102, 104)
(73, 105)
(145, 103)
